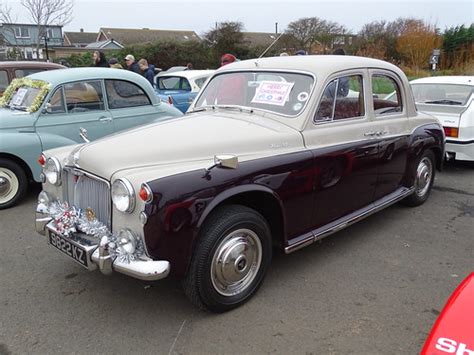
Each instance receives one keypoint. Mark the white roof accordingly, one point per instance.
(464, 80)
(188, 74)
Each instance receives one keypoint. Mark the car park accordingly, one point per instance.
(10, 70)
(50, 109)
(270, 154)
(451, 100)
(180, 88)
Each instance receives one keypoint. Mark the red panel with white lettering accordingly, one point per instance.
(453, 332)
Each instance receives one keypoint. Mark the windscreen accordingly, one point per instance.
(442, 94)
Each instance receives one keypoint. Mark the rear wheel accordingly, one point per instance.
(13, 183)
(230, 260)
(424, 178)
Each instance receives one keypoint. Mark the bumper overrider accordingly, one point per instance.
(89, 242)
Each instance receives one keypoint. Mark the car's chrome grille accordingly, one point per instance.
(83, 190)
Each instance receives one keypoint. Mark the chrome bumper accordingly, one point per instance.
(100, 253)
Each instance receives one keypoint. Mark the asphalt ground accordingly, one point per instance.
(373, 288)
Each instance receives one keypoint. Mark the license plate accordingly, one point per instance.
(69, 248)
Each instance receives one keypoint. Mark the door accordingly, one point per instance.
(392, 130)
(345, 151)
(129, 105)
(71, 107)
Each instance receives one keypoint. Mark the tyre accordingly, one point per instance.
(230, 259)
(424, 178)
(13, 183)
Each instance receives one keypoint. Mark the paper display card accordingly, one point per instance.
(19, 97)
(272, 93)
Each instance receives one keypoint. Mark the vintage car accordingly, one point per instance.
(180, 88)
(268, 155)
(50, 109)
(18, 69)
(451, 100)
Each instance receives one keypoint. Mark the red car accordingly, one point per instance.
(453, 332)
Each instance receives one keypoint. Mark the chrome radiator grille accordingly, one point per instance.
(83, 190)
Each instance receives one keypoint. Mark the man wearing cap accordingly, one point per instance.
(131, 64)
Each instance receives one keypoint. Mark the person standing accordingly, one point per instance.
(99, 60)
(131, 64)
(147, 70)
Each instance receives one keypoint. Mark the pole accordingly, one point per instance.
(271, 45)
(46, 48)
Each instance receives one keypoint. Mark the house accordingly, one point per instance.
(79, 39)
(131, 36)
(28, 41)
(107, 44)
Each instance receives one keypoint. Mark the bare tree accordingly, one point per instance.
(6, 16)
(44, 13)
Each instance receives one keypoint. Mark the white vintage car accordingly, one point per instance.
(451, 100)
(274, 152)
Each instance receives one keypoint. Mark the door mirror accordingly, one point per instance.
(227, 161)
(48, 108)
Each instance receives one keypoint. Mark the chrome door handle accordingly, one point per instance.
(382, 133)
(370, 133)
(105, 119)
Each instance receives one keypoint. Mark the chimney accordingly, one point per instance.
(82, 30)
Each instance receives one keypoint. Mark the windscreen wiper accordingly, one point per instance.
(443, 102)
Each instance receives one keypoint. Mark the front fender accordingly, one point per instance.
(25, 146)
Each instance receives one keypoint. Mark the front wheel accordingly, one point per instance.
(13, 183)
(230, 260)
(424, 178)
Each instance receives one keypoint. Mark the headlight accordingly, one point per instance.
(123, 195)
(52, 171)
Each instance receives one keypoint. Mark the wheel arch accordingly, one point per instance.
(20, 162)
(259, 198)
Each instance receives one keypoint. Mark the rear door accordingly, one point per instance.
(129, 104)
(73, 106)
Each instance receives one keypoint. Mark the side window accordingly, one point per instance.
(20, 73)
(386, 95)
(200, 82)
(56, 103)
(168, 83)
(185, 85)
(121, 94)
(84, 96)
(3, 80)
(342, 98)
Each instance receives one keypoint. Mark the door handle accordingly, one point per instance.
(105, 119)
(370, 134)
(382, 133)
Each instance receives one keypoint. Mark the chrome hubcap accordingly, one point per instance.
(424, 173)
(236, 262)
(9, 185)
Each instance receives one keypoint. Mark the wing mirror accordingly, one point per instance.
(83, 134)
(228, 161)
(48, 108)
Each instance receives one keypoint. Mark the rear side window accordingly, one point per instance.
(121, 94)
(20, 73)
(342, 98)
(84, 96)
(3, 80)
(386, 95)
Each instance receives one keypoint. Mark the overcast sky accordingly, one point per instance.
(256, 15)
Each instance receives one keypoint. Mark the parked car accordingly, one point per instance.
(180, 88)
(256, 162)
(20, 69)
(451, 100)
(50, 109)
(453, 332)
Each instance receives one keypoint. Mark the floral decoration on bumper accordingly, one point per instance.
(17, 83)
(69, 219)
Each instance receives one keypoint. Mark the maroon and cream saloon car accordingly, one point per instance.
(273, 153)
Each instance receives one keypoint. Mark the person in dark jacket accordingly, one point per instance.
(131, 64)
(99, 60)
(148, 70)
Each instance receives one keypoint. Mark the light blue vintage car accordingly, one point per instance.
(57, 108)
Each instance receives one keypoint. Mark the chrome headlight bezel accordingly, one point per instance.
(52, 171)
(123, 195)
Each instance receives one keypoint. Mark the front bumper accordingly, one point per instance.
(105, 252)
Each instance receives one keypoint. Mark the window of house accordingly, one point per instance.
(50, 33)
(387, 98)
(342, 98)
(22, 32)
(84, 96)
(122, 94)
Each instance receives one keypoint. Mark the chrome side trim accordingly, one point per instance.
(350, 219)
